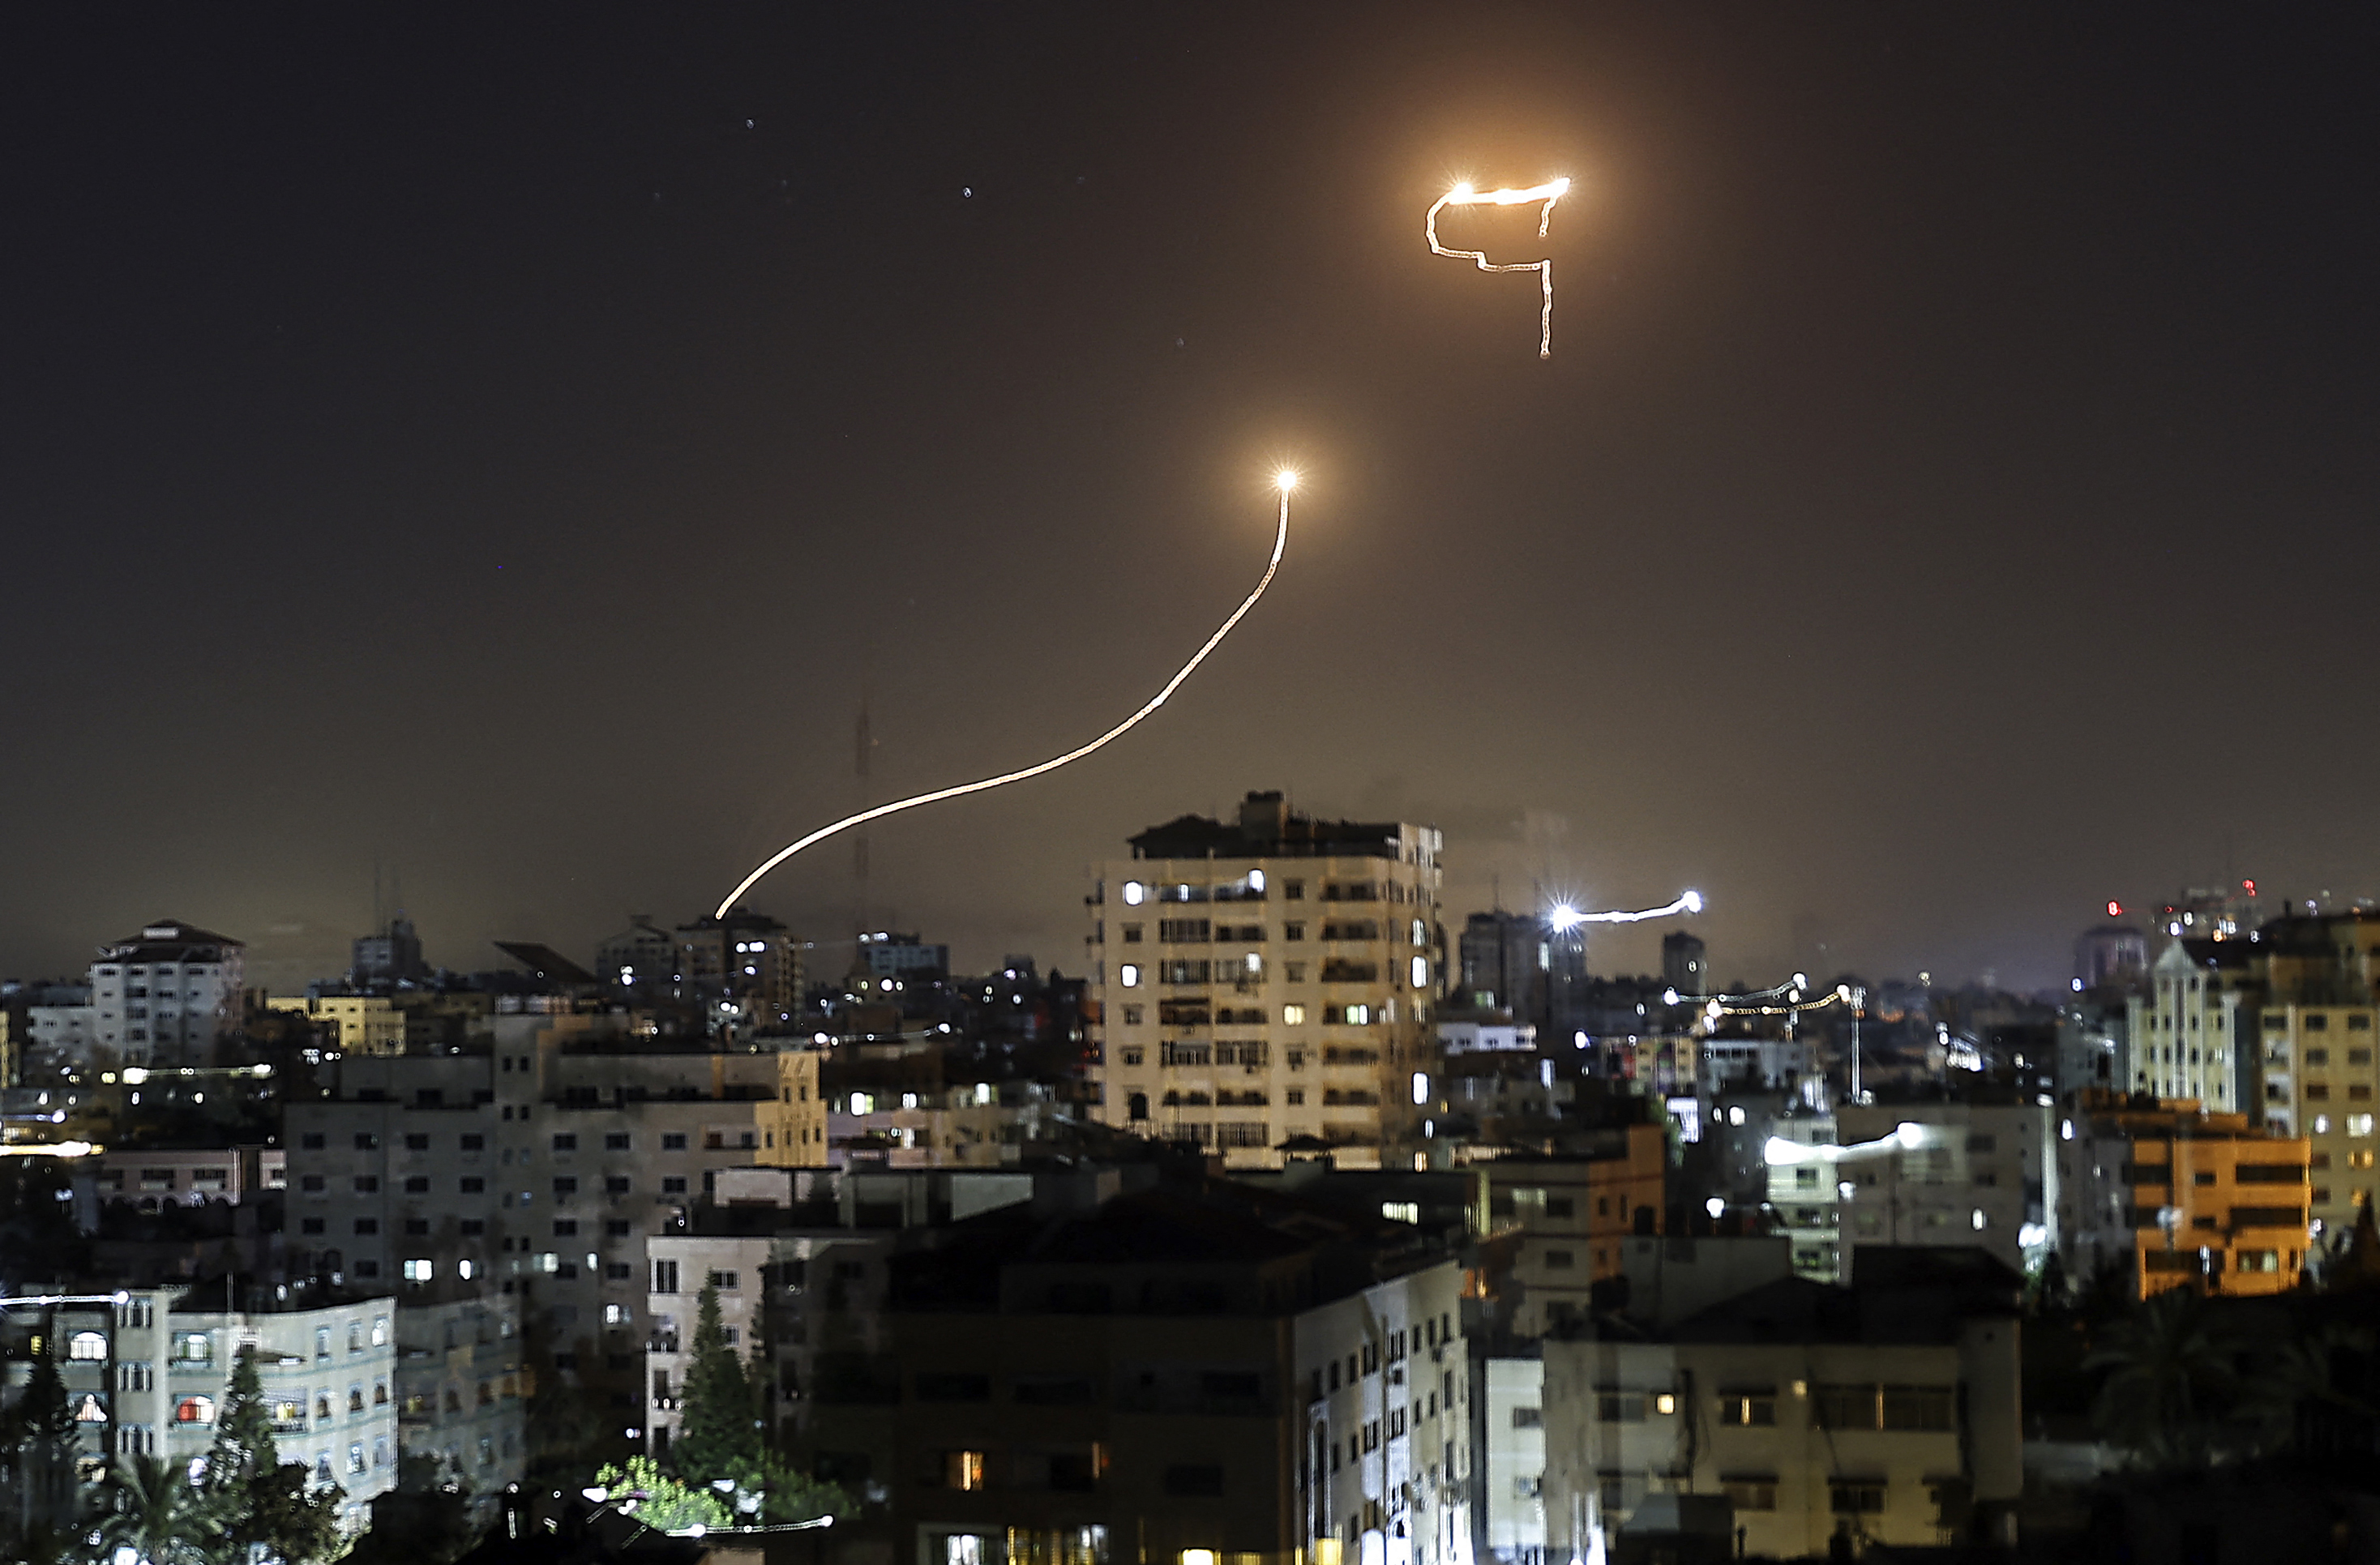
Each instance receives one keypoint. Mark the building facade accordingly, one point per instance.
(1267, 978)
(167, 996)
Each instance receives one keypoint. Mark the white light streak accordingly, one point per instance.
(1464, 196)
(1283, 481)
(1566, 919)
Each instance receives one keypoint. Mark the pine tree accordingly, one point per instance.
(717, 1438)
(259, 1501)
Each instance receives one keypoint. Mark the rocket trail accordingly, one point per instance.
(1285, 481)
(1563, 918)
(1464, 196)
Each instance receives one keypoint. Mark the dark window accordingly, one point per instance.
(309, 1225)
(312, 1141)
(474, 1227)
(417, 1185)
(367, 1183)
(565, 1228)
(673, 1141)
(618, 1185)
(416, 1141)
(1053, 1391)
(416, 1227)
(616, 1141)
(473, 1184)
(953, 1385)
(566, 1185)
(617, 1228)
(475, 1143)
(673, 1185)
(1204, 1481)
(368, 1225)
(367, 1141)
(617, 1271)
(566, 1143)
(1558, 1205)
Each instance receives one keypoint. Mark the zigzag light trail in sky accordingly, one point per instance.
(1464, 196)
(1567, 918)
(1285, 481)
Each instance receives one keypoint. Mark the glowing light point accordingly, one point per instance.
(1693, 901)
(1463, 195)
(1286, 480)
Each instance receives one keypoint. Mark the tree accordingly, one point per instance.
(2169, 1379)
(149, 1506)
(659, 1501)
(259, 1501)
(719, 1436)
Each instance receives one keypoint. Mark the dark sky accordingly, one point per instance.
(506, 447)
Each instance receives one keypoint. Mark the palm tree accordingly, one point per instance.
(2168, 1378)
(149, 1506)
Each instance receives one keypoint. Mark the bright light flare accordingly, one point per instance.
(1465, 195)
(1564, 917)
(1284, 481)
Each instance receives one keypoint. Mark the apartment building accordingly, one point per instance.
(1190, 1366)
(745, 970)
(462, 1387)
(2185, 1023)
(1572, 1214)
(1267, 978)
(2173, 1196)
(154, 1177)
(1885, 1412)
(1912, 1171)
(167, 996)
(1512, 1482)
(538, 1169)
(799, 1258)
(148, 1373)
(352, 1024)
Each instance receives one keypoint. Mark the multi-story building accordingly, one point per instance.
(1512, 1478)
(2185, 1023)
(2171, 1196)
(167, 996)
(743, 971)
(1965, 1171)
(392, 955)
(1885, 1412)
(2110, 955)
(1269, 979)
(642, 959)
(540, 1169)
(1573, 1212)
(888, 954)
(462, 1386)
(1193, 1366)
(352, 1024)
(148, 1374)
(1685, 963)
(153, 1177)
(1506, 963)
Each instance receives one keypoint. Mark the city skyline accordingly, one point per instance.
(511, 458)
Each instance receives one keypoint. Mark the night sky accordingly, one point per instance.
(507, 450)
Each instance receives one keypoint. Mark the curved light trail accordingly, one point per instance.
(1564, 919)
(1464, 196)
(1285, 481)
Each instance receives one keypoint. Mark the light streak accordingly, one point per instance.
(1464, 196)
(1566, 919)
(1285, 481)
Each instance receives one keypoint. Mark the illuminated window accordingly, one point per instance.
(89, 1345)
(1135, 893)
(420, 1271)
(1292, 1016)
(1421, 971)
(962, 1469)
(2359, 1124)
(195, 1410)
(1129, 975)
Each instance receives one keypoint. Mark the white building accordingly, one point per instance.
(153, 1372)
(152, 1178)
(1513, 1496)
(1887, 1414)
(167, 996)
(1267, 978)
(1917, 1173)
(2186, 1029)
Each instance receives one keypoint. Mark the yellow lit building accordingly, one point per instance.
(354, 1024)
(793, 1125)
